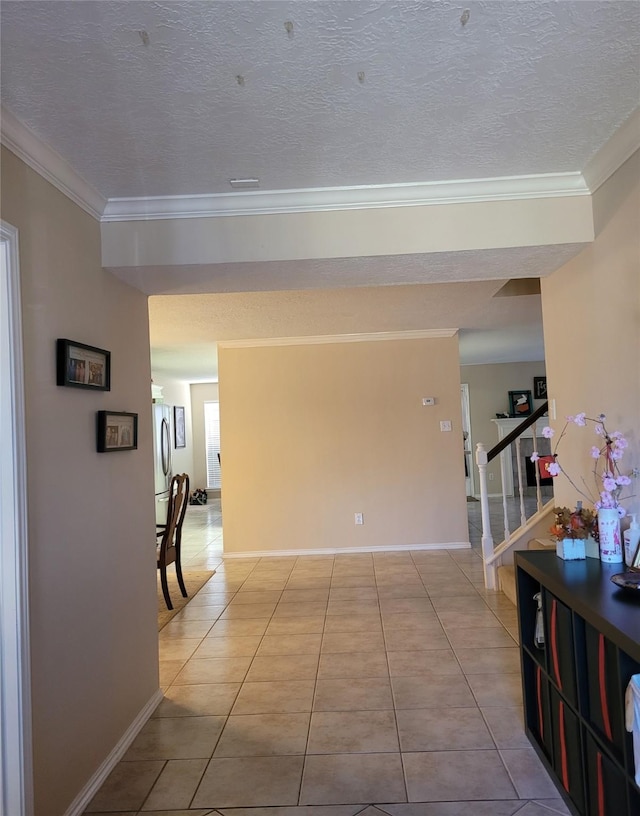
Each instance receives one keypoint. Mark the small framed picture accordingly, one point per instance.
(82, 366)
(178, 427)
(520, 403)
(116, 431)
(540, 388)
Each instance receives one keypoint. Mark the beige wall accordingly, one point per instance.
(92, 574)
(200, 393)
(489, 386)
(348, 233)
(177, 392)
(592, 331)
(313, 434)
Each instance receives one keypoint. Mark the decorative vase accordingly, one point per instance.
(609, 533)
(570, 549)
(592, 550)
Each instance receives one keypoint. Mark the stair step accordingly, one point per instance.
(507, 573)
(507, 581)
(542, 544)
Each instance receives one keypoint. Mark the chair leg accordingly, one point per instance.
(183, 588)
(165, 587)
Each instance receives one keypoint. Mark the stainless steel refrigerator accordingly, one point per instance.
(162, 458)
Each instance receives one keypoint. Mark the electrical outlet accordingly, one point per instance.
(445, 425)
(359, 518)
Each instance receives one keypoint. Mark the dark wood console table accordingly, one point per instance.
(574, 683)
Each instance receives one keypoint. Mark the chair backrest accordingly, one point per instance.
(183, 506)
(176, 509)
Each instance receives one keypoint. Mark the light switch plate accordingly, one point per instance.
(428, 400)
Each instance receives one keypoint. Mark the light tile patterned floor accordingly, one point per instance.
(325, 685)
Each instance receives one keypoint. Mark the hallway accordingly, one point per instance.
(337, 683)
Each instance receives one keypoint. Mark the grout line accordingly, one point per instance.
(315, 687)
(155, 782)
(393, 699)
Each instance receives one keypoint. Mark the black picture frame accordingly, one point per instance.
(540, 388)
(81, 366)
(179, 435)
(116, 431)
(520, 403)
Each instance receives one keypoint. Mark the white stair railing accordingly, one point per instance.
(491, 554)
(487, 539)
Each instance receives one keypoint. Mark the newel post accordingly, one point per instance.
(487, 539)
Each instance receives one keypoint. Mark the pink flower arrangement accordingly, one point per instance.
(610, 481)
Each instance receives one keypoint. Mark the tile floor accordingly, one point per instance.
(384, 683)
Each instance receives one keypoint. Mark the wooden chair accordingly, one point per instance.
(170, 534)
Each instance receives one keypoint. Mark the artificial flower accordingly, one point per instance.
(578, 523)
(609, 481)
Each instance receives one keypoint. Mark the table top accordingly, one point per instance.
(586, 587)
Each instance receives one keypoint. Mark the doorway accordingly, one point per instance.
(466, 434)
(212, 445)
(15, 701)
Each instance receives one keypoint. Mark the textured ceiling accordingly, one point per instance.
(522, 87)
(185, 325)
(328, 273)
(307, 313)
(184, 329)
(176, 98)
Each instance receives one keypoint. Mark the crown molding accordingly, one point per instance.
(614, 153)
(327, 339)
(22, 141)
(370, 196)
(29, 147)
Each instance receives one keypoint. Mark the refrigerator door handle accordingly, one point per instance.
(165, 449)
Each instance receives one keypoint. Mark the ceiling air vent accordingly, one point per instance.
(245, 183)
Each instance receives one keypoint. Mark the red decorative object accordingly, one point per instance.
(543, 461)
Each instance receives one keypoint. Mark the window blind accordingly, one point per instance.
(212, 442)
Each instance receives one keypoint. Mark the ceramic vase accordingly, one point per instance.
(610, 538)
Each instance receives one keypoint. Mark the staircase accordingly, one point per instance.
(532, 532)
(507, 573)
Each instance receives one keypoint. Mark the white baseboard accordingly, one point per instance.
(449, 545)
(77, 807)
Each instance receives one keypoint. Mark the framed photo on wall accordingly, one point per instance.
(178, 427)
(520, 403)
(540, 388)
(116, 431)
(82, 366)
